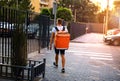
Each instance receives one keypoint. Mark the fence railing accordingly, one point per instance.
(28, 73)
(36, 31)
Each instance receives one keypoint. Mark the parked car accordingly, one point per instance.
(32, 30)
(6, 29)
(112, 37)
(50, 31)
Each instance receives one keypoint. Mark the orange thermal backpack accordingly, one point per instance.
(62, 40)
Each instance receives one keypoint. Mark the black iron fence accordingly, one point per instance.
(28, 73)
(34, 25)
(35, 34)
(38, 32)
(77, 29)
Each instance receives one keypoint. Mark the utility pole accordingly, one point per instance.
(75, 15)
(17, 4)
(118, 11)
(54, 11)
(106, 23)
(117, 5)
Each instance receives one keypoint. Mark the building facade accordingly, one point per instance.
(39, 4)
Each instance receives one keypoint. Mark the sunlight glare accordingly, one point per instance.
(103, 4)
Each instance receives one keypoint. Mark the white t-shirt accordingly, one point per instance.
(60, 28)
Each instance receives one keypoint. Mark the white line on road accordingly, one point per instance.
(89, 52)
(94, 55)
(98, 58)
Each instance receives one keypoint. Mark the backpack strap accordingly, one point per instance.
(56, 29)
(62, 29)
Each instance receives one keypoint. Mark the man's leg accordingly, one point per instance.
(56, 59)
(63, 60)
(63, 63)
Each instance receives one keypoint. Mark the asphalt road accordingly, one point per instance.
(86, 61)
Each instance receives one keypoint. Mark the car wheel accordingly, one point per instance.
(107, 42)
(116, 42)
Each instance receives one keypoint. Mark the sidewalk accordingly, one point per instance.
(79, 66)
(90, 38)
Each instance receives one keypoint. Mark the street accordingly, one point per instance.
(85, 62)
(99, 52)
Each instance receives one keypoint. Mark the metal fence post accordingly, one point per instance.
(44, 61)
(32, 72)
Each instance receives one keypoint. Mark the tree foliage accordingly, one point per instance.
(64, 13)
(19, 56)
(51, 11)
(101, 16)
(45, 11)
(18, 4)
(85, 10)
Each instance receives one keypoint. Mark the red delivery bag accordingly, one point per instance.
(62, 40)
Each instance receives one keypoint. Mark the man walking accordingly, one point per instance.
(58, 29)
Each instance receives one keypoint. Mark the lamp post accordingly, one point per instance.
(54, 11)
(118, 12)
(106, 23)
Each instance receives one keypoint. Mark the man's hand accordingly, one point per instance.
(50, 47)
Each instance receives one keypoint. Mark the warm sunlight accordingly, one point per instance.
(103, 4)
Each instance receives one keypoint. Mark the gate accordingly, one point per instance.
(9, 21)
(36, 32)
(38, 37)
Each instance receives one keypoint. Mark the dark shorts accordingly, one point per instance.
(61, 51)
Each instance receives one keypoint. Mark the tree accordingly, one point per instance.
(25, 5)
(51, 11)
(86, 13)
(18, 4)
(101, 16)
(45, 11)
(85, 10)
(64, 13)
(19, 50)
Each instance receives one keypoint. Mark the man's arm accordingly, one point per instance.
(51, 40)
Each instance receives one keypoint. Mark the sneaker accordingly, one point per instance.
(63, 70)
(55, 64)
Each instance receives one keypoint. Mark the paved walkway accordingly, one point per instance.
(78, 66)
(90, 38)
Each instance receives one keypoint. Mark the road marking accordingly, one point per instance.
(94, 55)
(89, 52)
(99, 58)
